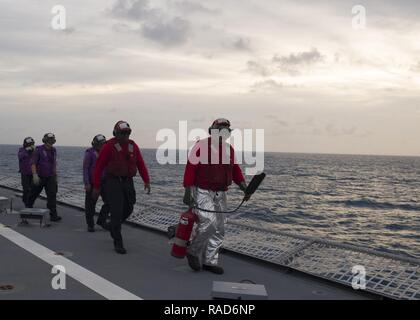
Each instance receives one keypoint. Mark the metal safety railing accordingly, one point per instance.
(388, 275)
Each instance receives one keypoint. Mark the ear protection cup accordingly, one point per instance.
(114, 132)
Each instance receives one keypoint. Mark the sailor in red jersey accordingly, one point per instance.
(210, 170)
(120, 158)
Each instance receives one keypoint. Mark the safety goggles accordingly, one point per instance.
(221, 128)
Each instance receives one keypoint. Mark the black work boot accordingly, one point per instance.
(55, 218)
(214, 269)
(119, 247)
(193, 262)
(24, 221)
(106, 226)
(91, 229)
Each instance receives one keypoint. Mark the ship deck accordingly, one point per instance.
(148, 271)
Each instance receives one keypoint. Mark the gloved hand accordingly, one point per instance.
(147, 187)
(243, 187)
(188, 199)
(35, 179)
(95, 194)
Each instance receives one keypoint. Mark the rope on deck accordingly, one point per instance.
(388, 275)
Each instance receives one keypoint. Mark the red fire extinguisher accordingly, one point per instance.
(183, 233)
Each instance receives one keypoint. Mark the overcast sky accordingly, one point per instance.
(297, 69)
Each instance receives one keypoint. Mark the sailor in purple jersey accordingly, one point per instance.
(91, 155)
(25, 160)
(44, 174)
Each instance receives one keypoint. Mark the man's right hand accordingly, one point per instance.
(88, 188)
(147, 187)
(95, 194)
(35, 179)
(188, 200)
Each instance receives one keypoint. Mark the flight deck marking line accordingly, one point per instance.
(89, 279)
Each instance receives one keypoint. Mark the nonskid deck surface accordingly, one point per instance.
(146, 272)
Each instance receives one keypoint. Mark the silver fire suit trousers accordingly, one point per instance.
(209, 232)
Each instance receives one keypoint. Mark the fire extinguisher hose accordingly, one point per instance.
(251, 188)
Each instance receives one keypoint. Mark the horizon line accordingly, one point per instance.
(268, 151)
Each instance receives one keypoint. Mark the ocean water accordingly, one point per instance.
(372, 201)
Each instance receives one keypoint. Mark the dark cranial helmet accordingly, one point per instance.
(121, 128)
(28, 141)
(220, 123)
(49, 138)
(98, 140)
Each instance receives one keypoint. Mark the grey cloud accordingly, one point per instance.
(193, 7)
(257, 68)
(277, 121)
(310, 121)
(169, 33)
(166, 23)
(301, 58)
(242, 44)
(310, 126)
(131, 9)
(281, 123)
(122, 27)
(333, 131)
(154, 23)
(293, 63)
(266, 85)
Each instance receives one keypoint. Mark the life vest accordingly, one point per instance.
(216, 177)
(45, 161)
(122, 164)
